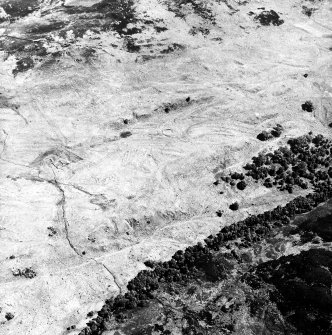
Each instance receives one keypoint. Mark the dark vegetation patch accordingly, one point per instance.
(115, 15)
(197, 261)
(264, 136)
(304, 162)
(308, 10)
(42, 29)
(160, 29)
(21, 46)
(53, 59)
(131, 46)
(321, 227)
(219, 213)
(29, 50)
(51, 231)
(200, 7)
(212, 262)
(6, 103)
(199, 30)
(125, 134)
(27, 273)
(9, 316)
(59, 157)
(301, 289)
(108, 16)
(112, 16)
(241, 185)
(234, 206)
(89, 54)
(173, 106)
(268, 17)
(308, 106)
(19, 8)
(78, 29)
(172, 48)
(267, 135)
(23, 65)
(104, 16)
(13, 45)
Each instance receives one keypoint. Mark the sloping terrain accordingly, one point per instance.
(117, 118)
(245, 278)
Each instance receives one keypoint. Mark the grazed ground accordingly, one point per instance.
(115, 119)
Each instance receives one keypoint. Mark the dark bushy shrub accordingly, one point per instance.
(267, 18)
(9, 316)
(234, 206)
(125, 134)
(267, 135)
(308, 106)
(241, 185)
(264, 136)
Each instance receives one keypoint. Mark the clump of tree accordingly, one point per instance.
(269, 17)
(306, 154)
(27, 273)
(267, 135)
(304, 161)
(308, 106)
(234, 206)
(9, 316)
(125, 134)
(264, 136)
(241, 185)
